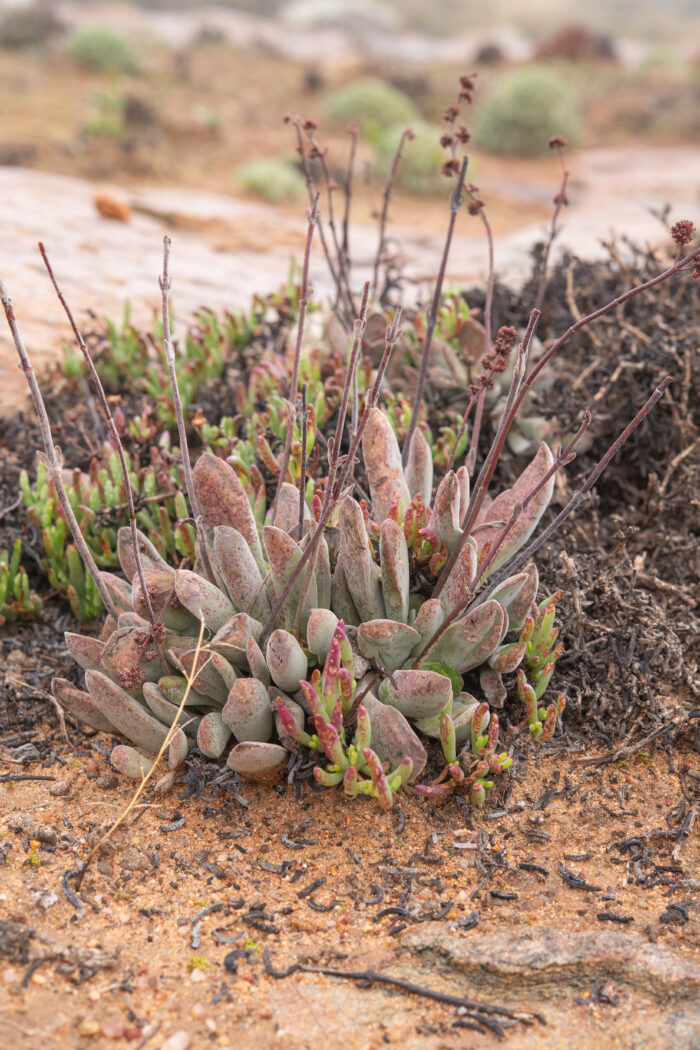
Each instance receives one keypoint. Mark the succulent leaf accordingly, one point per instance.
(416, 693)
(444, 520)
(504, 504)
(129, 762)
(257, 760)
(126, 714)
(393, 739)
(247, 711)
(223, 501)
(382, 459)
(360, 571)
(286, 660)
(150, 558)
(386, 641)
(231, 640)
(213, 735)
(396, 578)
(419, 468)
(284, 554)
(177, 749)
(239, 572)
(86, 651)
(80, 705)
(320, 629)
(203, 599)
(470, 641)
(455, 593)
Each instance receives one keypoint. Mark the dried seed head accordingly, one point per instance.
(683, 231)
(557, 142)
(450, 168)
(133, 678)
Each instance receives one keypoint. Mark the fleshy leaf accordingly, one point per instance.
(126, 714)
(444, 520)
(387, 642)
(470, 641)
(502, 508)
(247, 711)
(284, 554)
(286, 660)
(203, 599)
(382, 459)
(416, 693)
(419, 468)
(80, 705)
(129, 762)
(239, 572)
(361, 573)
(396, 578)
(258, 761)
(223, 500)
(213, 735)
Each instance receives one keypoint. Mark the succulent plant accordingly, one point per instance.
(357, 630)
(360, 646)
(17, 600)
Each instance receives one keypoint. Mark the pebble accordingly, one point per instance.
(60, 788)
(107, 781)
(89, 1028)
(113, 1030)
(179, 1040)
(46, 835)
(196, 976)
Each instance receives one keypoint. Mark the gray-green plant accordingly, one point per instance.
(354, 639)
(101, 50)
(373, 104)
(523, 110)
(419, 171)
(277, 181)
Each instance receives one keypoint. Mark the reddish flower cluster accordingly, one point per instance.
(132, 679)
(496, 360)
(683, 231)
(557, 142)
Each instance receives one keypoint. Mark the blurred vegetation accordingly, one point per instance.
(373, 104)
(523, 110)
(421, 160)
(101, 50)
(274, 180)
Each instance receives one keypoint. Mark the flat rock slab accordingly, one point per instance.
(540, 968)
(225, 250)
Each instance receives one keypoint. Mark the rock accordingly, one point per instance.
(179, 1040)
(112, 207)
(46, 835)
(549, 962)
(107, 781)
(133, 860)
(89, 1028)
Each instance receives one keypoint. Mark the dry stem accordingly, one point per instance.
(456, 201)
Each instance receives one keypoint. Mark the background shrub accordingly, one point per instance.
(374, 104)
(273, 180)
(421, 160)
(100, 50)
(522, 112)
